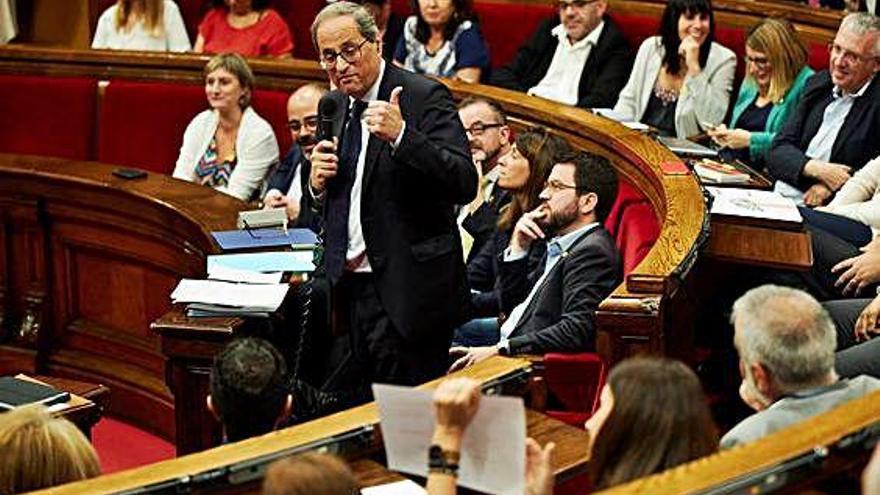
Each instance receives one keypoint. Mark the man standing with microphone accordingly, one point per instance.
(387, 188)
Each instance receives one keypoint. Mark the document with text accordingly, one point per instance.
(493, 448)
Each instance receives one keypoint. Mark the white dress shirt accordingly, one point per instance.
(563, 77)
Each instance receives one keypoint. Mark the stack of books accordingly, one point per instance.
(715, 172)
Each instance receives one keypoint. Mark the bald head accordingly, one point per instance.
(788, 332)
(302, 115)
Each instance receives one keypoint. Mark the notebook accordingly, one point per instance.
(15, 392)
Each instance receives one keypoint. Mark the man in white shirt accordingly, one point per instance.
(580, 58)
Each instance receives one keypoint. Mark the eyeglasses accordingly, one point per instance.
(479, 128)
(760, 62)
(578, 4)
(310, 122)
(846, 55)
(554, 185)
(350, 53)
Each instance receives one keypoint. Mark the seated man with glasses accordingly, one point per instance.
(489, 138)
(581, 267)
(286, 184)
(834, 129)
(580, 58)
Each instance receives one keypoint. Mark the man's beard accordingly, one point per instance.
(559, 220)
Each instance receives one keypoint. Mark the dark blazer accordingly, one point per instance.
(482, 223)
(856, 144)
(407, 216)
(483, 274)
(283, 174)
(603, 76)
(559, 318)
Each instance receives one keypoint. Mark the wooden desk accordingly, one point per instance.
(760, 246)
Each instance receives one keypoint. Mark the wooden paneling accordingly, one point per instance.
(91, 262)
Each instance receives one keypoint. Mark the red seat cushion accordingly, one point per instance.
(53, 116)
(142, 123)
(635, 28)
(575, 381)
(633, 224)
(817, 55)
(506, 27)
(272, 106)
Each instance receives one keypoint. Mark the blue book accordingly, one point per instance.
(233, 240)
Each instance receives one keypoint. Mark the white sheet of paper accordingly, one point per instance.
(754, 203)
(221, 272)
(493, 449)
(266, 261)
(404, 487)
(265, 297)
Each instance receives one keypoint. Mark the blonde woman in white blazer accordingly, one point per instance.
(697, 76)
(228, 147)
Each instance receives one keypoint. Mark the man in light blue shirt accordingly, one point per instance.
(582, 265)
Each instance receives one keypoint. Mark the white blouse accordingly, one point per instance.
(175, 38)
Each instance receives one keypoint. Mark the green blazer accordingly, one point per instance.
(748, 92)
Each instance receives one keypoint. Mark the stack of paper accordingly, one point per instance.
(755, 204)
(215, 298)
(720, 173)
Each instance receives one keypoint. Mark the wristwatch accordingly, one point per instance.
(442, 461)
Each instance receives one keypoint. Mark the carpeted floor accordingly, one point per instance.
(122, 446)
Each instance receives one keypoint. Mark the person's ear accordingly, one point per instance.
(587, 203)
(762, 378)
(505, 133)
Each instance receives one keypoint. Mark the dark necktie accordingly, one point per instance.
(339, 195)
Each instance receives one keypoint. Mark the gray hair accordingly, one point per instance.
(862, 24)
(787, 331)
(365, 22)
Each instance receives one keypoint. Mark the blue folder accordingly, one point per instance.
(232, 240)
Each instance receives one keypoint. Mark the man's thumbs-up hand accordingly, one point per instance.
(383, 118)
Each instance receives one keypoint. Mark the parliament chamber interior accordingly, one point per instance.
(89, 259)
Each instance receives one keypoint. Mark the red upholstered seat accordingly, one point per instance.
(299, 15)
(47, 116)
(142, 124)
(272, 106)
(633, 224)
(575, 380)
(636, 28)
(506, 27)
(817, 56)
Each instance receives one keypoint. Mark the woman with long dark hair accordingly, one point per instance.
(654, 416)
(681, 80)
(522, 174)
(443, 39)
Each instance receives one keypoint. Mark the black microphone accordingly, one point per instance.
(331, 115)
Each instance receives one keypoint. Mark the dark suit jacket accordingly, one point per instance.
(559, 318)
(482, 224)
(483, 275)
(856, 144)
(603, 76)
(407, 211)
(283, 174)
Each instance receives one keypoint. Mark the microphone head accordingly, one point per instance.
(331, 114)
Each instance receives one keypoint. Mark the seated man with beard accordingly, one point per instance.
(287, 182)
(582, 265)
